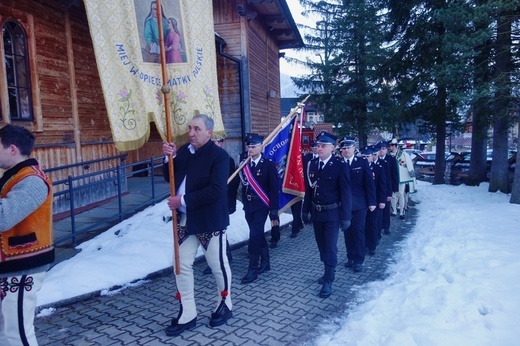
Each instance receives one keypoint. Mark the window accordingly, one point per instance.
(16, 58)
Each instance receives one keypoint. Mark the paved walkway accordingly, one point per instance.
(282, 307)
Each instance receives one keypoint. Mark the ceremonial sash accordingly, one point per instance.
(256, 187)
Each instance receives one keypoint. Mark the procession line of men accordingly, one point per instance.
(346, 192)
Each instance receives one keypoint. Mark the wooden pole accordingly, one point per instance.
(273, 133)
(165, 89)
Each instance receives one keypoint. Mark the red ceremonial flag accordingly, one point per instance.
(293, 180)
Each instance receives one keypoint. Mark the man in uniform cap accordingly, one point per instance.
(392, 180)
(260, 198)
(363, 200)
(328, 202)
(372, 227)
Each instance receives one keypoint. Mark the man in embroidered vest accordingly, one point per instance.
(328, 202)
(201, 171)
(260, 199)
(406, 174)
(25, 235)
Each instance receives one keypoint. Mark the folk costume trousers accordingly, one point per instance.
(17, 307)
(398, 199)
(214, 247)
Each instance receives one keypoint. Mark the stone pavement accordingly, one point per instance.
(282, 307)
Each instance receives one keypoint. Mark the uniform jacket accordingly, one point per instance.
(206, 172)
(392, 175)
(362, 183)
(267, 177)
(28, 244)
(330, 186)
(379, 181)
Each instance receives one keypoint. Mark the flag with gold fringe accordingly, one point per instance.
(125, 34)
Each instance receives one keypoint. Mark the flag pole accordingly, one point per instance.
(277, 129)
(165, 89)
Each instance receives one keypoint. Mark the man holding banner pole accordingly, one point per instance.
(201, 172)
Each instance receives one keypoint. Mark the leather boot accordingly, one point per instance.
(328, 278)
(252, 271)
(265, 264)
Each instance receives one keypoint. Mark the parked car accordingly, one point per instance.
(413, 153)
(425, 164)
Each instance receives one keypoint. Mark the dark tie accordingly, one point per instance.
(348, 163)
(253, 164)
(321, 166)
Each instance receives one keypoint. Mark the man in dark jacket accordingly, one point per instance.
(363, 200)
(389, 163)
(260, 199)
(329, 203)
(373, 217)
(201, 173)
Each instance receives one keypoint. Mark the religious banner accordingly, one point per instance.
(125, 34)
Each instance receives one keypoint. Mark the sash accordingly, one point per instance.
(256, 187)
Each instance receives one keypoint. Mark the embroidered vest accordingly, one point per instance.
(29, 243)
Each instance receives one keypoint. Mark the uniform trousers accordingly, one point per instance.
(372, 228)
(385, 219)
(256, 222)
(326, 234)
(355, 236)
(297, 223)
(17, 307)
(214, 248)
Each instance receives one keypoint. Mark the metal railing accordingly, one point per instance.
(113, 184)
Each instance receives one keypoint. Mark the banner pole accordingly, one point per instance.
(165, 89)
(273, 133)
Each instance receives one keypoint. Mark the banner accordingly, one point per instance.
(126, 45)
(285, 151)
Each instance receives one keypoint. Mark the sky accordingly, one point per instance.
(454, 281)
(293, 69)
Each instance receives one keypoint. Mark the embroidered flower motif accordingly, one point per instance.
(208, 99)
(127, 111)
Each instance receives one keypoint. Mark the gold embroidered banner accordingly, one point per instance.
(125, 34)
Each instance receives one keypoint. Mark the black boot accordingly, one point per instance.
(328, 278)
(252, 271)
(265, 264)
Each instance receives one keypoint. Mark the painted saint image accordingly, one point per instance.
(174, 42)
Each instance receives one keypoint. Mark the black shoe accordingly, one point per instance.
(207, 271)
(264, 267)
(401, 217)
(386, 231)
(371, 252)
(220, 316)
(326, 290)
(293, 235)
(274, 244)
(321, 280)
(251, 276)
(358, 268)
(176, 329)
(349, 264)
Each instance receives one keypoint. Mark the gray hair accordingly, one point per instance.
(208, 122)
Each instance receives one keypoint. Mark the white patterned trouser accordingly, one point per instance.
(17, 308)
(215, 252)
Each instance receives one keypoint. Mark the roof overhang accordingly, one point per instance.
(277, 18)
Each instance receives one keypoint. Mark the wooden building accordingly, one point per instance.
(49, 82)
